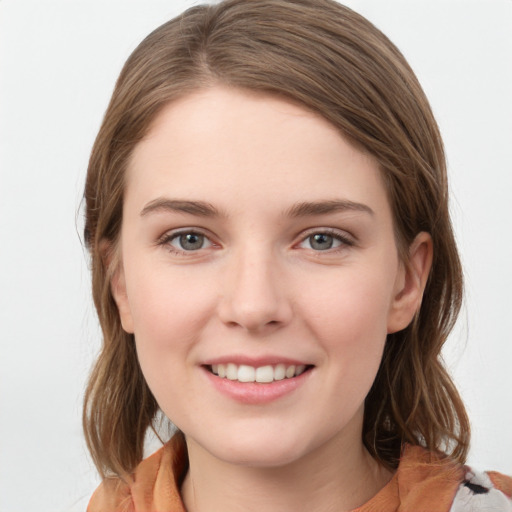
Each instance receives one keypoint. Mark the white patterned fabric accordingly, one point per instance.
(478, 494)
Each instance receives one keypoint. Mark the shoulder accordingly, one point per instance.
(483, 491)
(154, 485)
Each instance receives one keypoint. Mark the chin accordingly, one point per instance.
(257, 449)
(257, 457)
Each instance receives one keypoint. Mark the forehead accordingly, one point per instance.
(238, 145)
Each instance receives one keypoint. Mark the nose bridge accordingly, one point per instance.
(254, 296)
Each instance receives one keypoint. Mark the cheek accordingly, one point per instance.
(168, 320)
(350, 321)
(166, 307)
(169, 314)
(352, 306)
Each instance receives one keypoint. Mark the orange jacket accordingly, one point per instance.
(422, 483)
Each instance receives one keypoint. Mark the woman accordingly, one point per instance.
(274, 269)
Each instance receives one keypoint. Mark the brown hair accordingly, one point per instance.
(334, 62)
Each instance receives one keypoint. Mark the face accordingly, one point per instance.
(259, 275)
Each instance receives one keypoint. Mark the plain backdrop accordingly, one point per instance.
(58, 64)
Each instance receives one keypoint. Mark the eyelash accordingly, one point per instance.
(167, 238)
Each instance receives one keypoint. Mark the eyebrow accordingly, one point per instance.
(306, 209)
(198, 208)
(302, 209)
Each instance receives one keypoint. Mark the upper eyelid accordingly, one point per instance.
(173, 233)
(303, 235)
(336, 232)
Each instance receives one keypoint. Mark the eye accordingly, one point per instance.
(186, 241)
(189, 241)
(324, 241)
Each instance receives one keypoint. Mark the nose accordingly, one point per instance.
(253, 293)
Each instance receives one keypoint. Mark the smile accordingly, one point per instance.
(262, 374)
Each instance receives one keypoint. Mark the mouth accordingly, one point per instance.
(262, 374)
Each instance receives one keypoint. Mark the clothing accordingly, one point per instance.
(422, 483)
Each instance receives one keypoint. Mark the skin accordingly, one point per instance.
(260, 287)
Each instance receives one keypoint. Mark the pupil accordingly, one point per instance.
(321, 241)
(191, 241)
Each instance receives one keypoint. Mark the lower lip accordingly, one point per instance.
(255, 393)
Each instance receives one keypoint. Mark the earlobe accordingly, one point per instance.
(412, 282)
(115, 273)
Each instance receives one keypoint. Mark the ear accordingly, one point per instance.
(411, 283)
(118, 288)
(115, 274)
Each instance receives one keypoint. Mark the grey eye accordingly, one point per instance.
(189, 241)
(321, 241)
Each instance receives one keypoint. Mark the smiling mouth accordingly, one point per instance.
(262, 374)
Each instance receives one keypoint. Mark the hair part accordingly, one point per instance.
(336, 63)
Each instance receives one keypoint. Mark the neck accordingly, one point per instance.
(340, 475)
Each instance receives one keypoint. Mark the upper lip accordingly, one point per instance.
(255, 362)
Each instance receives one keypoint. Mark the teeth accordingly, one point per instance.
(232, 371)
(290, 372)
(246, 373)
(262, 374)
(280, 372)
(265, 374)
